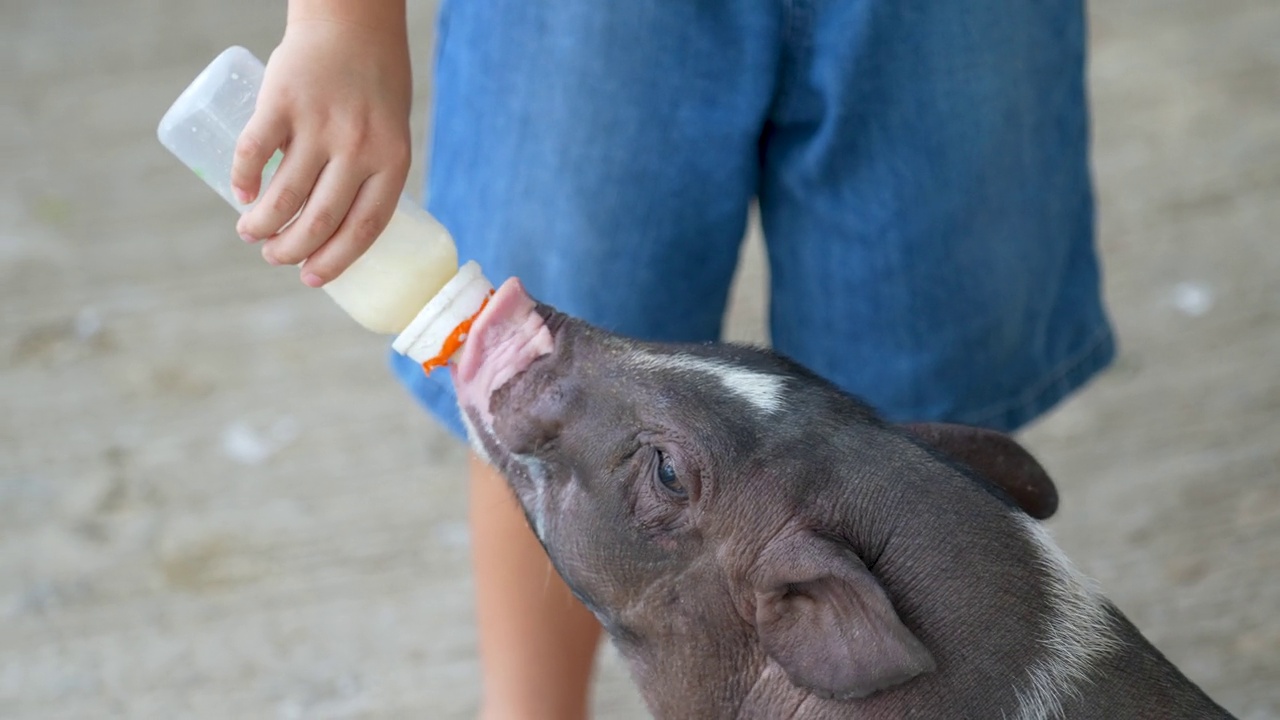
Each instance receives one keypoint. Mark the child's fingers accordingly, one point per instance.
(368, 217)
(330, 201)
(264, 134)
(285, 195)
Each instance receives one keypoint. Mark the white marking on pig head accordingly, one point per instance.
(762, 390)
(1078, 635)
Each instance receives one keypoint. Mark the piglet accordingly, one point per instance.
(759, 544)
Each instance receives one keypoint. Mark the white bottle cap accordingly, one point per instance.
(202, 126)
(459, 300)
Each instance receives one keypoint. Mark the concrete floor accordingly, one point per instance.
(216, 503)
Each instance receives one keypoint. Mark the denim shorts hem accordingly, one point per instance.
(1045, 394)
(434, 394)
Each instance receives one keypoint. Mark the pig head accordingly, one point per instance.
(759, 544)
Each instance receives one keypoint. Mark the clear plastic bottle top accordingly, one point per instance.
(388, 286)
(202, 126)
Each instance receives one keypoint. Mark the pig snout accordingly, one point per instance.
(507, 337)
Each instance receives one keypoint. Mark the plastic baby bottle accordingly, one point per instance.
(407, 283)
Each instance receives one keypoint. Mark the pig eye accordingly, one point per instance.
(668, 477)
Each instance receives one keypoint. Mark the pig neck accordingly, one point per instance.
(711, 672)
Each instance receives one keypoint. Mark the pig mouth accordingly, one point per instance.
(507, 338)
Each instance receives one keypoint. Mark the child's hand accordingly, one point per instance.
(335, 100)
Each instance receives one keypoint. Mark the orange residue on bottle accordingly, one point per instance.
(455, 339)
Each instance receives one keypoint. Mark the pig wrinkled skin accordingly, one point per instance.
(759, 544)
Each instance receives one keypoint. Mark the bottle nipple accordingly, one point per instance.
(440, 329)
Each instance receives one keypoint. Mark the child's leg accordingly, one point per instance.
(537, 642)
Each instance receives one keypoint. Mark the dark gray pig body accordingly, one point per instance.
(761, 545)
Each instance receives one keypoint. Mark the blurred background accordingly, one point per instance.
(215, 502)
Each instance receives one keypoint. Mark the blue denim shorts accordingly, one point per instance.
(921, 170)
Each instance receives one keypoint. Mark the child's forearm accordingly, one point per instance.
(377, 15)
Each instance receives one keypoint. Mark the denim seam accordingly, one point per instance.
(797, 37)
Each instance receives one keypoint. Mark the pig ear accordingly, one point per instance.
(997, 457)
(825, 619)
